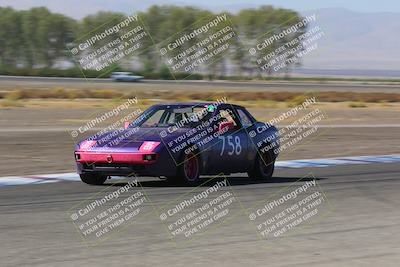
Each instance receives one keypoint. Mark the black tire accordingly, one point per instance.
(263, 168)
(189, 170)
(93, 179)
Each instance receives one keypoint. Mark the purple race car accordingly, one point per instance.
(181, 142)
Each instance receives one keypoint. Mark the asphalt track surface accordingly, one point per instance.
(359, 227)
(180, 84)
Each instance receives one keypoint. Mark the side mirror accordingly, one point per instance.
(225, 126)
(126, 124)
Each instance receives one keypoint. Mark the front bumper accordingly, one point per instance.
(122, 158)
(124, 163)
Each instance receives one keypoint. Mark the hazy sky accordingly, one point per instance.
(80, 8)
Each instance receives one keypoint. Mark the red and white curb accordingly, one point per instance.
(285, 164)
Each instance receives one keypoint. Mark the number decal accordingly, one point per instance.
(235, 147)
(223, 145)
(230, 153)
(238, 147)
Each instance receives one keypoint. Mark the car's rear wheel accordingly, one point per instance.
(263, 167)
(93, 179)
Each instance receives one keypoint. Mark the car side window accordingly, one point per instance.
(227, 115)
(244, 119)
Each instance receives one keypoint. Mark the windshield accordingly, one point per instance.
(165, 116)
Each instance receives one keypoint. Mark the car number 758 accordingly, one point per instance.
(233, 145)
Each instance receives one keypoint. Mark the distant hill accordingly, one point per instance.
(356, 41)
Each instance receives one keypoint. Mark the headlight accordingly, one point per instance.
(87, 145)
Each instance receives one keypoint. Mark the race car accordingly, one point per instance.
(125, 77)
(181, 142)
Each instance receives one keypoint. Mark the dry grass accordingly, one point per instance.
(61, 93)
(357, 105)
(256, 98)
(14, 95)
(6, 103)
(297, 100)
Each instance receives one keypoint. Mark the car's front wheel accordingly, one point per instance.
(93, 179)
(189, 169)
(263, 168)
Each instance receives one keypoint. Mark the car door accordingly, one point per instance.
(249, 124)
(229, 150)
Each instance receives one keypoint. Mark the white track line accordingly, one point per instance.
(285, 164)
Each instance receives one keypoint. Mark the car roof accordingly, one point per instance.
(191, 104)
